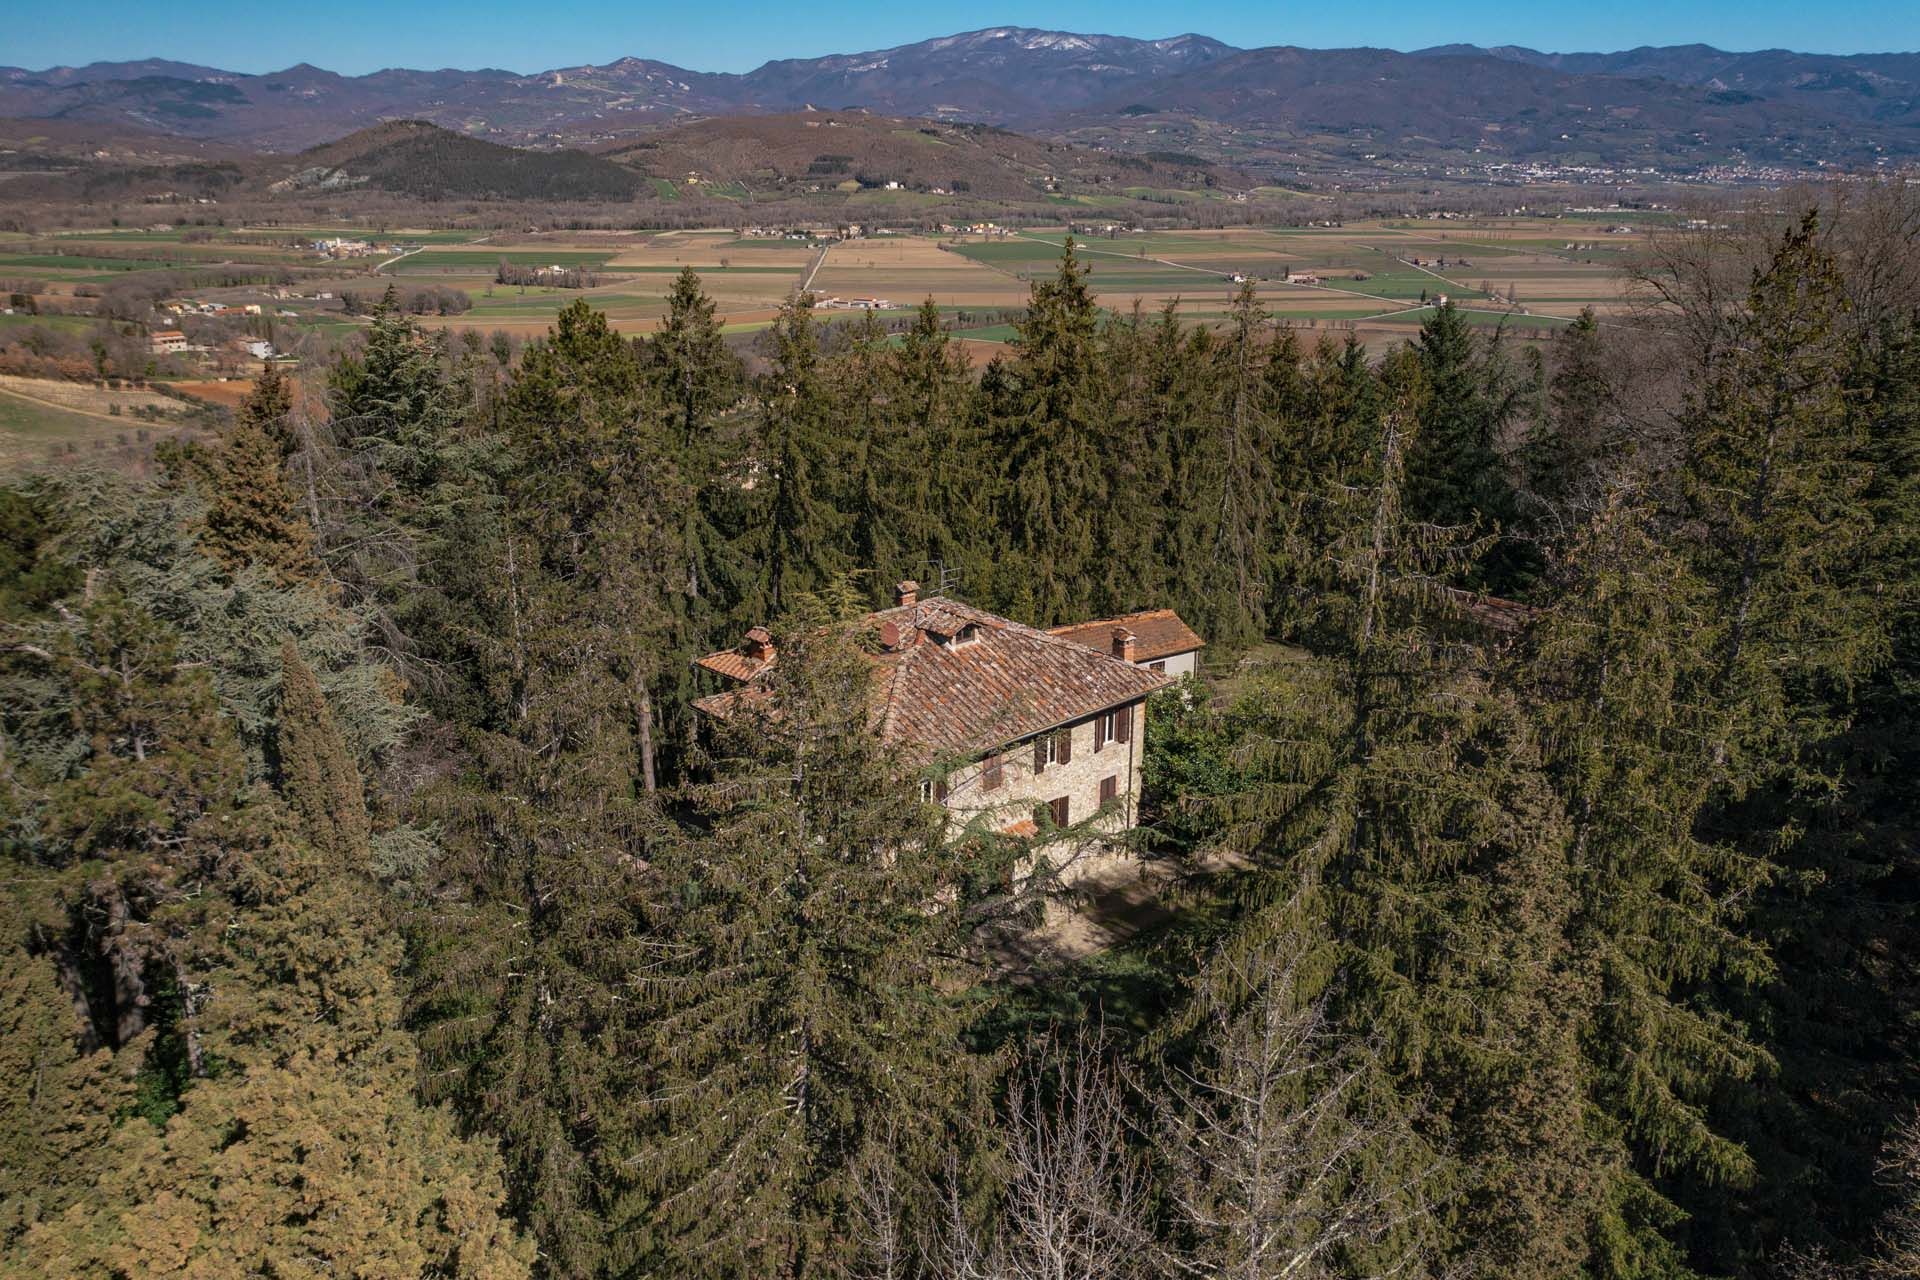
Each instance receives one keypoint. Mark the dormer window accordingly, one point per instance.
(968, 635)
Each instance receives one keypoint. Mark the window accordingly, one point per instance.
(990, 773)
(933, 790)
(1060, 810)
(1112, 726)
(1052, 748)
(1109, 789)
(1161, 665)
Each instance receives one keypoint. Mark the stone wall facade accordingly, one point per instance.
(1078, 780)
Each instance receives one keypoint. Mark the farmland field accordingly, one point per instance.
(40, 419)
(1370, 278)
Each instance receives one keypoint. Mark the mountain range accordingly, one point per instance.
(1269, 108)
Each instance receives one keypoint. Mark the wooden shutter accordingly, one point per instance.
(940, 788)
(1123, 724)
(1040, 754)
(1100, 731)
(990, 776)
(1064, 753)
(1062, 811)
(1109, 788)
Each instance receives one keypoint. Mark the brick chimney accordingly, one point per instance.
(905, 592)
(1123, 644)
(758, 645)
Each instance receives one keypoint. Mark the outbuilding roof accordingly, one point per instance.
(1157, 633)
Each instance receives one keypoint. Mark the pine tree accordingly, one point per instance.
(317, 773)
(800, 1020)
(252, 515)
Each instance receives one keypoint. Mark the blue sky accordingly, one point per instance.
(356, 36)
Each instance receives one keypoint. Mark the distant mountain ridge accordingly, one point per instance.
(1678, 105)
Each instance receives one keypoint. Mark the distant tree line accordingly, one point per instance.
(415, 300)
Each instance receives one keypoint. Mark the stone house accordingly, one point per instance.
(1011, 727)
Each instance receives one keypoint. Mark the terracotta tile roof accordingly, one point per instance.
(733, 664)
(956, 680)
(1157, 633)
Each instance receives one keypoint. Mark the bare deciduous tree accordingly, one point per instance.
(1282, 1165)
(1075, 1199)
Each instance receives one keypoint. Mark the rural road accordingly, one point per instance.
(806, 282)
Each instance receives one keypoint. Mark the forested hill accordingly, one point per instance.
(1530, 882)
(411, 157)
(820, 150)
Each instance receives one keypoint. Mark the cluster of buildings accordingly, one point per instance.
(342, 247)
(195, 307)
(1014, 729)
(854, 304)
(173, 342)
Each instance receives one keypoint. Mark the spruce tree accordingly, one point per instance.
(526, 1019)
(1775, 481)
(802, 535)
(688, 360)
(1615, 668)
(1395, 799)
(949, 479)
(1053, 502)
(798, 1021)
(1457, 474)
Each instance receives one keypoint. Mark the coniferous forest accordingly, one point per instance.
(1541, 845)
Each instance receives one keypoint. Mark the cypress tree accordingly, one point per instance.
(245, 981)
(317, 773)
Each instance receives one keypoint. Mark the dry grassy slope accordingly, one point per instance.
(821, 148)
